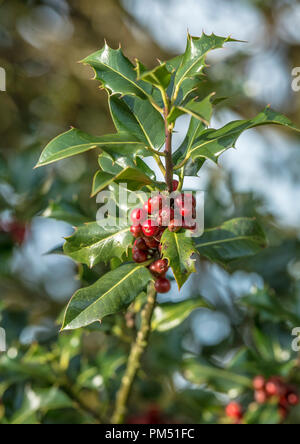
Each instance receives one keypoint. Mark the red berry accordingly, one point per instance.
(136, 230)
(149, 228)
(174, 226)
(162, 285)
(154, 204)
(140, 244)
(293, 399)
(259, 383)
(165, 216)
(234, 410)
(175, 184)
(260, 396)
(138, 216)
(160, 267)
(151, 243)
(275, 387)
(139, 256)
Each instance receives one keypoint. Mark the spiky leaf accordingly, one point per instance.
(91, 243)
(235, 239)
(110, 294)
(178, 249)
(76, 142)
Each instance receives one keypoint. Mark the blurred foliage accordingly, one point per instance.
(72, 378)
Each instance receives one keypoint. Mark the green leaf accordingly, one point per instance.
(202, 372)
(160, 76)
(139, 118)
(201, 110)
(178, 249)
(134, 179)
(40, 400)
(212, 143)
(76, 142)
(91, 243)
(65, 212)
(235, 239)
(193, 60)
(110, 294)
(116, 73)
(171, 315)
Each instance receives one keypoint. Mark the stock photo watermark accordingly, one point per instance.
(2, 340)
(2, 79)
(296, 80)
(296, 341)
(176, 211)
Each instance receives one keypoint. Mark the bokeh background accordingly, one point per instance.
(51, 378)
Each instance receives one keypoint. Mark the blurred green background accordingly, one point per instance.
(46, 377)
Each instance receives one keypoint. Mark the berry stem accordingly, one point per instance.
(134, 361)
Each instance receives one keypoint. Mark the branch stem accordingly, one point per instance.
(168, 152)
(134, 361)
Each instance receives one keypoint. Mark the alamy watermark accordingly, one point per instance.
(296, 80)
(2, 340)
(296, 341)
(184, 209)
(2, 79)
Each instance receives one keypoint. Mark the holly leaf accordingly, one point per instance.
(235, 239)
(75, 142)
(201, 110)
(139, 118)
(160, 76)
(178, 249)
(193, 60)
(212, 143)
(92, 243)
(191, 168)
(116, 73)
(134, 179)
(112, 293)
(170, 315)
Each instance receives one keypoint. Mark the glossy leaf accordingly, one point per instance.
(235, 239)
(116, 73)
(212, 143)
(171, 315)
(91, 243)
(110, 294)
(134, 179)
(193, 60)
(178, 249)
(139, 118)
(201, 110)
(76, 142)
(160, 76)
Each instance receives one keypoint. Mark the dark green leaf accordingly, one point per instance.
(201, 110)
(117, 73)
(235, 239)
(139, 118)
(110, 294)
(178, 249)
(76, 142)
(159, 76)
(91, 243)
(170, 315)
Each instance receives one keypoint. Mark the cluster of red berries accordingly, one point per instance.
(17, 230)
(149, 224)
(276, 387)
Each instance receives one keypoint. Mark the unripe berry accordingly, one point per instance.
(234, 410)
(149, 229)
(162, 285)
(136, 230)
